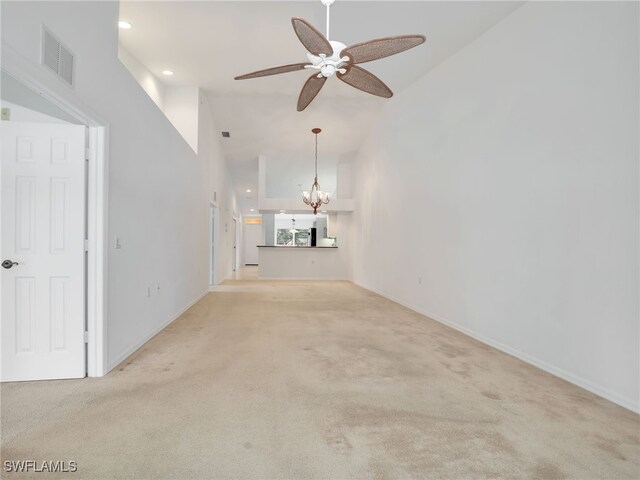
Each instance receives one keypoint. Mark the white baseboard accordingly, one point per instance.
(306, 279)
(148, 337)
(599, 390)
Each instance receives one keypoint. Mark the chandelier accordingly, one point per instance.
(316, 197)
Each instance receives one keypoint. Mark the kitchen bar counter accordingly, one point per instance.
(280, 262)
(295, 246)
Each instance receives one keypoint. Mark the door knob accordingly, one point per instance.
(8, 264)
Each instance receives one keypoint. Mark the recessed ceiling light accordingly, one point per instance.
(124, 25)
(168, 73)
(248, 190)
(252, 210)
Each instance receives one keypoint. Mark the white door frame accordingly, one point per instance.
(213, 238)
(40, 81)
(234, 247)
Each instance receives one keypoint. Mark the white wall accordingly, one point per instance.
(293, 202)
(159, 190)
(219, 187)
(181, 106)
(147, 80)
(269, 228)
(287, 176)
(507, 184)
(216, 183)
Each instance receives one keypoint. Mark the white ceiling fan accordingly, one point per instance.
(330, 57)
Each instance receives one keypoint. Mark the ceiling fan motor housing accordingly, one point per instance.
(328, 66)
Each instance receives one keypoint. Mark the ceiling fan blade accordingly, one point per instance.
(366, 81)
(381, 47)
(309, 91)
(273, 71)
(312, 39)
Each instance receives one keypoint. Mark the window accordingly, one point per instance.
(302, 237)
(285, 237)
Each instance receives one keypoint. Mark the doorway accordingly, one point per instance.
(213, 241)
(58, 329)
(251, 237)
(234, 251)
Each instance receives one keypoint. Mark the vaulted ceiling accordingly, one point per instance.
(206, 44)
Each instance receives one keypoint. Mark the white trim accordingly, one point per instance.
(131, 350)
(306, 279)
(39, 79)
(599, 390)
(213, 261)
(97, 194)
(235, 265)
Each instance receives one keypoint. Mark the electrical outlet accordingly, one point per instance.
(419, 280)
(5, 113)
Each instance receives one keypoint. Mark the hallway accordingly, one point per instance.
(317, 380)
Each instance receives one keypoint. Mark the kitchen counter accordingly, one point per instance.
(296, 246)
(281, 262)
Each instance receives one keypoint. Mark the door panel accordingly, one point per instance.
(212, 245)
(42, 326)
(234, 260)
(252, 238)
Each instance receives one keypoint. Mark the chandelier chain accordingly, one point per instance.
(316, 155)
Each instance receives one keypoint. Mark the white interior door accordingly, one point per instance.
(212, 246)
(234, 260)
(252, 237)
(42, 249)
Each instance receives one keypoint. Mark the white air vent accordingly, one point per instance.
(57, 57)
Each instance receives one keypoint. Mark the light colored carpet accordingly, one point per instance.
(324, 380)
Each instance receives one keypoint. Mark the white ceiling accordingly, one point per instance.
(207, 43)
